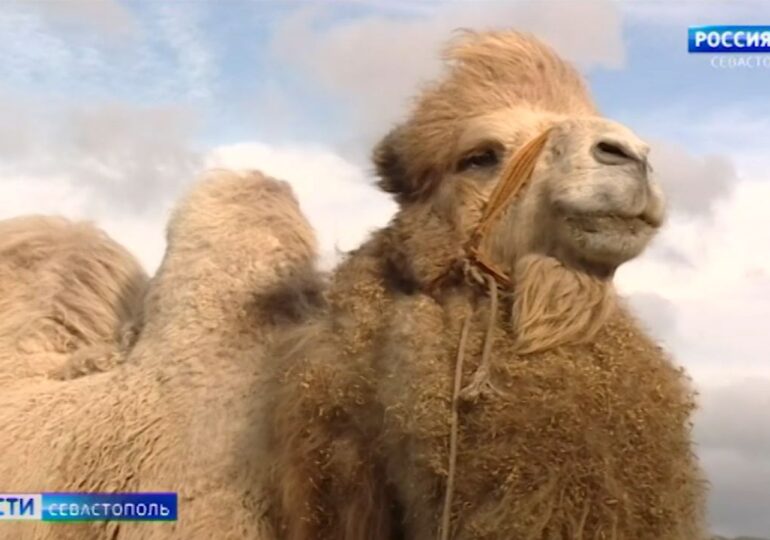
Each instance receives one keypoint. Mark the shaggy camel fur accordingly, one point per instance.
(178, 414)
(579, 425)
(65, 289)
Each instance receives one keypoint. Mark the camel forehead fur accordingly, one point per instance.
(485, 72)
(505, 87)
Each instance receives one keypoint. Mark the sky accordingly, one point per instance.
(110, 110)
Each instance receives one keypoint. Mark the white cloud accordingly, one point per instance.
(735, 450)
(722, 294)
(376, 63)
(657, 314)
(141, 234)
(131, 157)
(121, 166)
(108, 16)
(340, 201)
(730, 414)
(726, 249)
(694, 12)
(693, 184)
(21, 195)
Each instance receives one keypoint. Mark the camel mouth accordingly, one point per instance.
(600, 242)
(601, 223)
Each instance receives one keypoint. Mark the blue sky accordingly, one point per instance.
(219, 60)
(111, 108)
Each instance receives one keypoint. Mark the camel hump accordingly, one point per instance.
(236, 241)
(240, 219)
(64, 286)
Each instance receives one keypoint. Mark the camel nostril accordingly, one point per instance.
(613, 153)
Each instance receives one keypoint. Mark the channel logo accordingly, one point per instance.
(729, 39)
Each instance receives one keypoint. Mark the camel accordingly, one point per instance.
(178, 412)
(68, 294)
(474, 375)
(467, 373)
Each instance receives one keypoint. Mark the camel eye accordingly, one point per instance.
(479, 160)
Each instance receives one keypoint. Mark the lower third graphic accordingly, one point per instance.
(88, 506)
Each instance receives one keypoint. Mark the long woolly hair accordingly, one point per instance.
(64, 285)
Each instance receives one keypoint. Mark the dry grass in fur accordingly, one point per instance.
(589, 435)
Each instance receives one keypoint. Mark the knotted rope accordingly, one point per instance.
(480, 268)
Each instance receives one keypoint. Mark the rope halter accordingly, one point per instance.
(515, 176)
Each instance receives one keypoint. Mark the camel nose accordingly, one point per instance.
(611, 151)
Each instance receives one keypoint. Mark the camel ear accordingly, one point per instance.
(389, 163)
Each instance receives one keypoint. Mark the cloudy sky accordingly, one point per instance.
(109, 110)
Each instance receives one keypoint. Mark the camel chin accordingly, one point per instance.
(604, 241)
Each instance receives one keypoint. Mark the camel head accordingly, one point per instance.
(590, 202)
